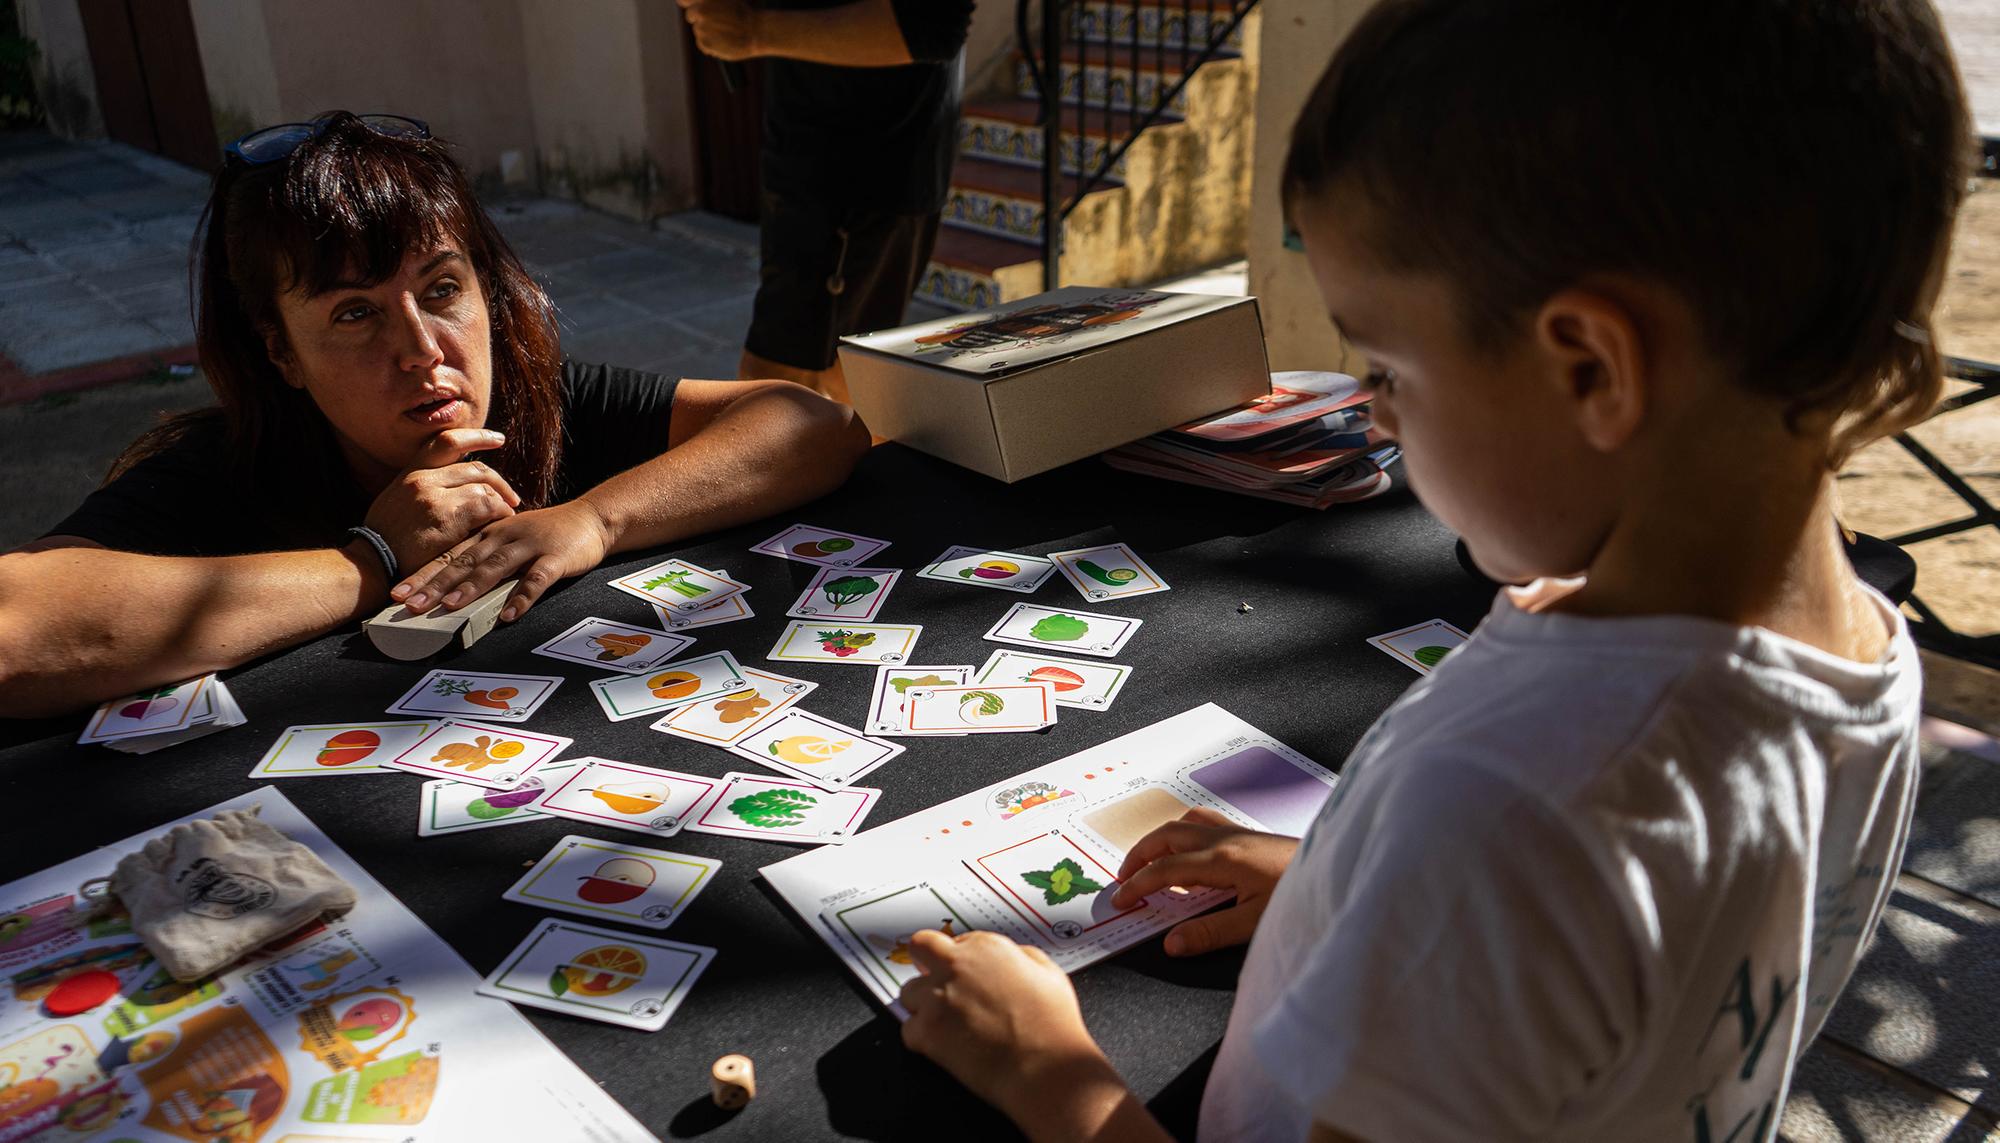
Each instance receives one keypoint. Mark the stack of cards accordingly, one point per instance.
(888, 711)
(155, 719)
(680, 589)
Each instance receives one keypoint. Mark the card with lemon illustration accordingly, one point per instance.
(690, 680)
(779, 809)
(615, 646)
(338, 748)
(838, 641)
(491, 756)
(1008, 571)
(983, 708)
(824, 547)
(604, 879)
(679, 586)
(600, 974)
(1053, 629)
(1113, 571)
(640, 798)
(1086, 686)
(888, 709)
(819, 750)
(723, 721)
(474, 694)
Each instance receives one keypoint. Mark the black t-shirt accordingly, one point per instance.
(189, 501)
(876, 137)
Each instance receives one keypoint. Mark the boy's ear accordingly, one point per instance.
(280, 354)
(1600, 359)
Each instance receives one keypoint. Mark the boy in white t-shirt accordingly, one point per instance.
(1634, 279)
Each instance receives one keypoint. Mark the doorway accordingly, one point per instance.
(149, 78)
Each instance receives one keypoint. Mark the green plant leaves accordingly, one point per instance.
(1063, 883)
(773, 809)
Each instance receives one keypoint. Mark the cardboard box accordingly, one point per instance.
(1051, 379)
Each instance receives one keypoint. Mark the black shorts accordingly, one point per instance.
(831, 271)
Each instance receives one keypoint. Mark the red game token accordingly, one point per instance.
(81, 993)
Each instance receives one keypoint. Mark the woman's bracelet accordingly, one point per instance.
(381, 548)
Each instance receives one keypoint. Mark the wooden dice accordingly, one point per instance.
(732, 1081)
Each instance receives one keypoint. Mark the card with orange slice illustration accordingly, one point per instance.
(653, 692)
(495, 757)
(1080, 684)
(724, 721)
(817, 750)
(615, 646)
(473, 694)
(639, 798)
(599, 974)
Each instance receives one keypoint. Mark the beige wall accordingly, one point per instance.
(989, 49)
(64, 79)
(236, 61)
(1299, 37)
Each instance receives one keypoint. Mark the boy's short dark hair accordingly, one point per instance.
(1790, 167)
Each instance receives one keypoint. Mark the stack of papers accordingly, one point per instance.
(151, 720)
(1310, 442)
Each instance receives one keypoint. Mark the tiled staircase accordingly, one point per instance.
(1176, 200)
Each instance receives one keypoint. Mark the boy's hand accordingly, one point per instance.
(1002, 1018)
(1208, 851)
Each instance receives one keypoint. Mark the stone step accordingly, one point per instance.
(966, 268)
(1009, 131)
(1115, 81)
(1160, 23)
(1005, 199)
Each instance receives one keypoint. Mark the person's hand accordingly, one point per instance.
(1206, 850)
(541, 546)
(725, 29)
(442, 498)
(999, 1016)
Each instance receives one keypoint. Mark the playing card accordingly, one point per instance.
(822, 546)
(990, 709)
(471, 694)
(448, 806)
(621, 794)
(679, 586)
(819, 750)
(1113, 571)
(722, 721)
(213, 709)
(842, 642)
(603, 879)
(1084, 632)
(1008, 571)
(888, 708)
(690, 680)
(615, 646)
(1295, 397)
(338, 748)
(1086, 686)
(157, 711)
(490, 756)
(878, 928)
(846, 593)
(728, 611)
(1421, 647)
(599, 974)
(773, 809)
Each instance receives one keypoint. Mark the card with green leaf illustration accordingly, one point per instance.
(1053, 883)
(1054, 629)
(611, 881)
(1079, 684)
(474, 694)
(496, 757)
(982, 567)
(877, 929)
(615, 646)
(846, 593)
(338, 748)
(832, 641)
(644, 799)
(994, 708)
(888, 708)
(724, 721)
(1111, 571)
(818, 750)
(677, 684)
(679, 586)
(825, 547)
(599, 974)
(1422, 647)
(450, 806)
(775, 809)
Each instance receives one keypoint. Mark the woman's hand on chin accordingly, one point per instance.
(540, 546)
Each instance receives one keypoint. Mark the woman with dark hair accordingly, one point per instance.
(366, 329)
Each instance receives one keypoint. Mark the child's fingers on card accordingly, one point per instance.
(1175, 837)
(1223, 929)
(931, 951)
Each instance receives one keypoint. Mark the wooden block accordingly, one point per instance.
(399, 634)
(732, 1081)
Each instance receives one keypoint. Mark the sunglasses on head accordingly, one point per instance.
(271, 144)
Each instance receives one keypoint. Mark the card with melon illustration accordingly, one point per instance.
(1113, 571)
(983, 708)
(779, 809)
(824, 547)
(679, 586)
(1054, 629)
(615, 646)
(600, 974)
(888, 709)
(1421, 647)
(491, 756)
(639, 798)
(723, 721)
(819, 750)
(688, 681)
(1080, 684)
(338, 748)
(980, 567)
(480, 695)
(611, 881)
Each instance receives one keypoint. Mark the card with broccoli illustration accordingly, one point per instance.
(838, 641)
(1054, 883)
(846, 593)
(818, 750)
(889, 708)
(1086, 686)
(776, 809)
(679, 586)
(996, 708)
(1113, 571)
(1053, 629)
